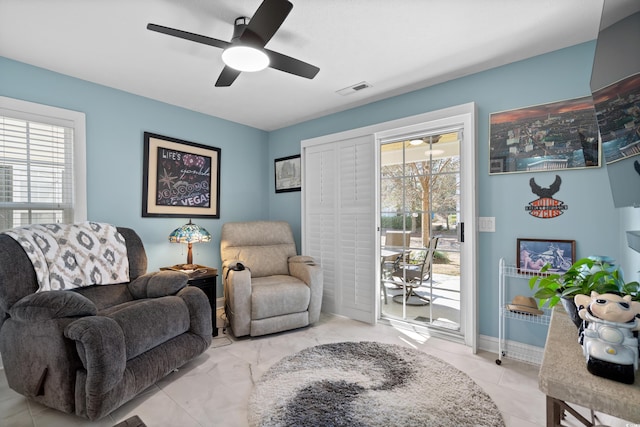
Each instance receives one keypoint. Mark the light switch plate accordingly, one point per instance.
(487, 224)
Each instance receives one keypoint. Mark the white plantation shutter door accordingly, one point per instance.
(339, 223)
(357, 229)
(320, 216)
(36, 170)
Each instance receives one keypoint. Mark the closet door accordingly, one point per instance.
(319, 217)
(339, 223)
(356, 229)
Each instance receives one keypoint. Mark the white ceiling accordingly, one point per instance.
(396, 46)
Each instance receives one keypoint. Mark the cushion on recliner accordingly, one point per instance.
(158, 284)
(151, 322)
(265, 260)
(105, 296)
(51, 305)
(278, 295)
(263, 246)
(166, 283)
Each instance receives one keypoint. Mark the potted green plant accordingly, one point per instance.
(633, 289)
(584, 276)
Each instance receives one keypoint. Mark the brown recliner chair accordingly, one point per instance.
(89, 350)
(275, 290)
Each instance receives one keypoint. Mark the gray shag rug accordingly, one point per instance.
(360, 384)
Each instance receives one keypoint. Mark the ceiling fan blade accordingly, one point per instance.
(268, 18)
(291, 65)
(227, 76)
(189, 36)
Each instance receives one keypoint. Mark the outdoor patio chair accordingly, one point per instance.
(412, 274)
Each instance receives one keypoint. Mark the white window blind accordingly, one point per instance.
(37, 177)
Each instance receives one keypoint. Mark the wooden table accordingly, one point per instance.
(564, 378)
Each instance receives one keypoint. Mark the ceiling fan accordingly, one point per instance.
(249, 37)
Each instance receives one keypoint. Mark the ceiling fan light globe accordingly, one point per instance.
(245, 58)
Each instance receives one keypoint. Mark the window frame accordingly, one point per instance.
(26, 110)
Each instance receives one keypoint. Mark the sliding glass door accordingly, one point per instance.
(382, 209)
(420, 248)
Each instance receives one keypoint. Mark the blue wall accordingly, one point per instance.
(116, 121)
(591, 219)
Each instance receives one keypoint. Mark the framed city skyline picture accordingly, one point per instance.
(618, 113)
(555, 136)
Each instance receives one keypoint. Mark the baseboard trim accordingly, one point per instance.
(513, 350)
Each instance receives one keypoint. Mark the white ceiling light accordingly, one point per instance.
(245, 58)
(416, 141)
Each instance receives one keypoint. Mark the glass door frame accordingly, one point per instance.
(462, 116)
(411, 173)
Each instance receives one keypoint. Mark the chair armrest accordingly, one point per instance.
(199, 311)
(306, 269)
(305, 259)
(101, 347)
(52, 305)
(158, 284)
(237, 290)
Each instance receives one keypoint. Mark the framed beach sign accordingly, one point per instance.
(180, 178)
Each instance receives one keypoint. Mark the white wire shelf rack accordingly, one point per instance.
(509, 348)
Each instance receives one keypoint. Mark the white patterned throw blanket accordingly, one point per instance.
(67, 256)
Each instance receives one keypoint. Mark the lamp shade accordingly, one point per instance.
(189, 233)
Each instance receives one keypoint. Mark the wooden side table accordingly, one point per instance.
(206, 279)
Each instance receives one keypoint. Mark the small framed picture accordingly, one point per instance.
(533, 254)
(288, 174)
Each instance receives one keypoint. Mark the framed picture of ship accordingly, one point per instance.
(546, 137)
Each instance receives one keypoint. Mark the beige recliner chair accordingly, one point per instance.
(268, 287)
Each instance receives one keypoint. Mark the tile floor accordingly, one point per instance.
(213, 389)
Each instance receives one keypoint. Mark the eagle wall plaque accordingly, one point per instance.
(546, 206)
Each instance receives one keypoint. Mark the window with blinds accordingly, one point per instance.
(37, 176)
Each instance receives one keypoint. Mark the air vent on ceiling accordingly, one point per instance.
(353, 89)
